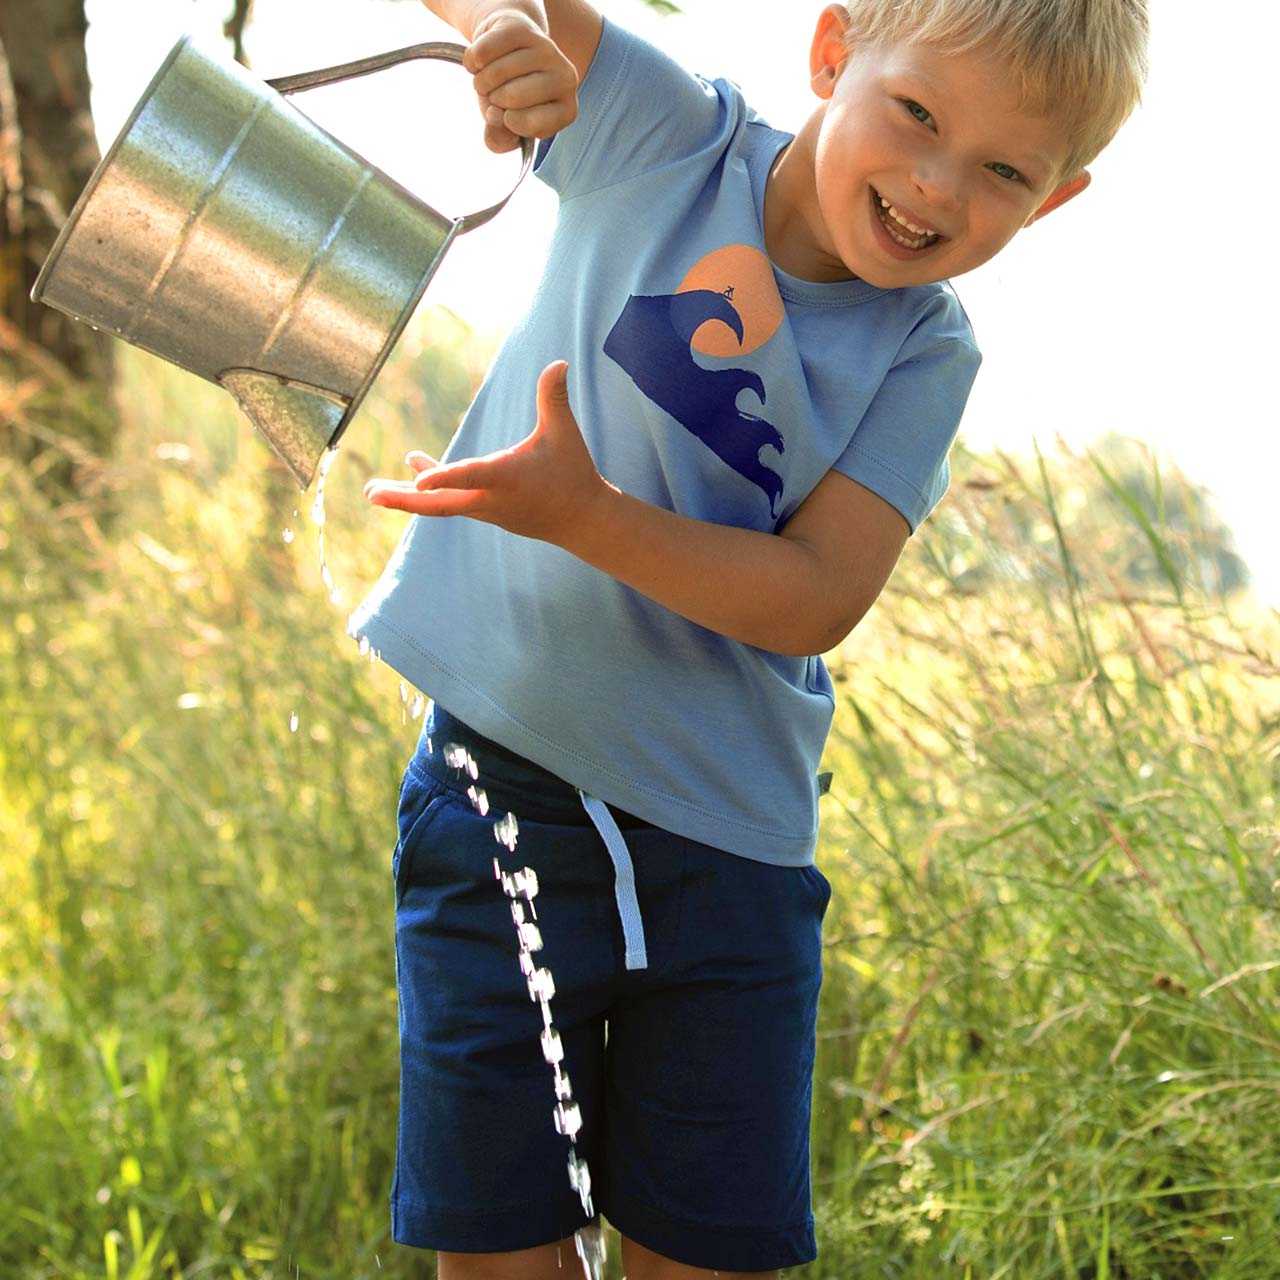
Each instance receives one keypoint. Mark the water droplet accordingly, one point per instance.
(541, 984)
(293, 723)
(579, 1175)
(287, 535)
(505, 831)
(568, 1118)
(552, 1049)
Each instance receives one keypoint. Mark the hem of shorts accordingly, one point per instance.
(706, 1245)
(488, 718)
(525, 1226)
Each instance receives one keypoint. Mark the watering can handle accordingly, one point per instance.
(442, 49)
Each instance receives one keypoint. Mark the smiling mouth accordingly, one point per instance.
(899, 235)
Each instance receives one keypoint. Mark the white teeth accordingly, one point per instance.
(910, 226)
(892, 222)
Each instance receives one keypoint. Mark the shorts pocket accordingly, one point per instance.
(823, 886)
(420, 800)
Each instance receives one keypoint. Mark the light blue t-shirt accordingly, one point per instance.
(705, 380)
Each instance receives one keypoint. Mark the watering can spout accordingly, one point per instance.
(297, 420)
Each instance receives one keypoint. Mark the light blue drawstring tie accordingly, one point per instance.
(625, 880)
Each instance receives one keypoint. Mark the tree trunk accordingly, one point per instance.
(59, 410)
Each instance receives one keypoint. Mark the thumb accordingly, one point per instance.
(553, 390)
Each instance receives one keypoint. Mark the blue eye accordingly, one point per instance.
(923, 117)
(1016, 176)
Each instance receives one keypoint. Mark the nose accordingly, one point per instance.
(938, 187)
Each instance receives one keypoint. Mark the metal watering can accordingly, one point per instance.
(227, 233)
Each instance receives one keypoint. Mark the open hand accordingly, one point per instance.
(545, 487)
(526, 86)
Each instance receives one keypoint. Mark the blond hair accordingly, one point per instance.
(1081, 63)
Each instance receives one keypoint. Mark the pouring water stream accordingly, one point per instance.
(521, 887)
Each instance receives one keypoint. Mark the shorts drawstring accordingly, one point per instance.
(625, 880)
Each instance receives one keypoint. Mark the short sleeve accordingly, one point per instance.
(900, 447)
(638, 109)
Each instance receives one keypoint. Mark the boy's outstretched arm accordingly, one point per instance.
(797, 592)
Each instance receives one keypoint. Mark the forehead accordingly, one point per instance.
(973, 92)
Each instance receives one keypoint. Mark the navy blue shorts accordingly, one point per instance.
(685, 998)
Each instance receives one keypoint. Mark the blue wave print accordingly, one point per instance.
(653, 343)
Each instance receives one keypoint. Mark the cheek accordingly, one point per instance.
(997, 219)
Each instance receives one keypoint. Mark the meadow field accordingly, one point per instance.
(1049, 1041)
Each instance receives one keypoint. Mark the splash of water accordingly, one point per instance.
(521, 887)
(318, 519)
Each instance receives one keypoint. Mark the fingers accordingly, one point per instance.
(439, 502)
(472, 473)
(537, 122)
(520, 62)
(530, 90)
(497, 137)
(525, 86)
(553, 388)
(508, 33)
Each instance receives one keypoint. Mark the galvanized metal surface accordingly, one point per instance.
(229, 234)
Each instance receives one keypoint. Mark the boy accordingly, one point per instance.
(625, 632)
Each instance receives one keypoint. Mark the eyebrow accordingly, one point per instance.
(934, 87)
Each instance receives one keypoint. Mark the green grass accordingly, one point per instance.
(1049, 1043)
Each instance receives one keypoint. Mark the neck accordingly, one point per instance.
(791, 213)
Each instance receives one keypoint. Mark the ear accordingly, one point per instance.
(1061, 194)
(827, 55)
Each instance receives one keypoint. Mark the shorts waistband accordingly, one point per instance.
(510, 781)
(519, 786)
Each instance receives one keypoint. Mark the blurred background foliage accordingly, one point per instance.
(1048, 1044)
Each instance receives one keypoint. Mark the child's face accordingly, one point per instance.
(936, 135)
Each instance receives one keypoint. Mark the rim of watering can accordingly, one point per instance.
(37, 290)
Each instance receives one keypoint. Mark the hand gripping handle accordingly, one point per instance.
(444, 50)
